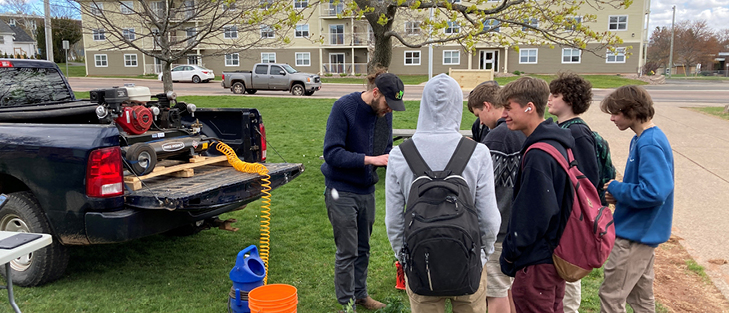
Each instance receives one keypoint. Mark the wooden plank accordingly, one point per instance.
(181, 170)
(188, 172)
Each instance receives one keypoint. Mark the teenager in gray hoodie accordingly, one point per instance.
(436, 138)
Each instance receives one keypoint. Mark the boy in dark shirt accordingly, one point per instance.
(570, 96)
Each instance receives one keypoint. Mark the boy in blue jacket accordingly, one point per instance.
(643, 203)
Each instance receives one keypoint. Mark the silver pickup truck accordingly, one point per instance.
(272, 76)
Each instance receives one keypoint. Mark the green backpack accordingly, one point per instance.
(606, 170)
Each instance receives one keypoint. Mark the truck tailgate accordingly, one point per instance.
(213, 186)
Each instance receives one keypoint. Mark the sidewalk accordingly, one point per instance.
(700, 146)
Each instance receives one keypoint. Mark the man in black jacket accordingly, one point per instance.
(542, 201)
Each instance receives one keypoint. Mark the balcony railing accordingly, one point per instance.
(344, 68)
(349, 39)
(331, 9)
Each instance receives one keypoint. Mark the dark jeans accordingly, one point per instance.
(352, 217)
(538, 288)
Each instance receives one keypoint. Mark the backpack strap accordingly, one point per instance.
(461, 156)
(573, 121)
(413, 158)
(552, 151)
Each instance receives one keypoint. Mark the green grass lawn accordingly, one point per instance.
(190, 274)
(715, 111)
(598, 81)
(73, 70)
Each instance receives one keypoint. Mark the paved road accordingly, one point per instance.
(700, 145)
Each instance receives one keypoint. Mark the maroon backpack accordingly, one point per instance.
(589, 233)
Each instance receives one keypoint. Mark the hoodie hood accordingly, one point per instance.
(441, 107)
(550, 131)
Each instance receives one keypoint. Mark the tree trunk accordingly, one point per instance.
(382, 56)
(726, 109)
(166, 76)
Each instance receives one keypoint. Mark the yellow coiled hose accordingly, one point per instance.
(260, 169)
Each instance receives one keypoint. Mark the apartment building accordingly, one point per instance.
(330, 43)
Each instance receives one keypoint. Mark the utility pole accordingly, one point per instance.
(49, 31)
(673, 31)
(646, 37)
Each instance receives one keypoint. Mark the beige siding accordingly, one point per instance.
(549, 61)
(115, 61)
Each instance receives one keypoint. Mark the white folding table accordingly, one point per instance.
(7, 255)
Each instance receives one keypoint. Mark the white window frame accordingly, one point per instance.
(267, 30)
(131, 62)
(230, 32)
(452, 28)
(232, 59)
(617, 23)
(533, 22)
(619, 53)
(126, 7)
(305, 56)
(536, 55)
(2, 40)
(412, 57)
(12, 22)
(229, 6)
(265, 4)
(458, 54)
(197, 59)
(296, 31)
(268, 58)
(573, 27)
(130, 34)
(301, 4)
(572, 50)
(99, 34)
(496, 26)
(31, 24)
(158, 8)
(101, 62)
(96, 8)
(412, 28)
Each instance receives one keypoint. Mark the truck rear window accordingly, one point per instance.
(23, 86)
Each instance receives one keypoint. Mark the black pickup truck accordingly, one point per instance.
(63, 162)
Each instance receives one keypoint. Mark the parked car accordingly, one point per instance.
(192, 73)
(64, 167)
(271, 76)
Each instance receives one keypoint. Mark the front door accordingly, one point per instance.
(489, 60)
(336, 34)
(336, 62)
(278, 81)
(260, 77)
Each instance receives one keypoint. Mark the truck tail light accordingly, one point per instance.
(104, 173)
(223, 77)
(6, 64)
(263, 141)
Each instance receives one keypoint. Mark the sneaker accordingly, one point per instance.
(369, 303)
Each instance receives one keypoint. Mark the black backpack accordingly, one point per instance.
(606, 170)
(442, 240)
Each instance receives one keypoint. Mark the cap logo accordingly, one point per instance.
(399, 94)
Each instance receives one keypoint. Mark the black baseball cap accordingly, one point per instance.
(393, 89)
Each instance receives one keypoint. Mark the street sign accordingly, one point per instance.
(65, 44)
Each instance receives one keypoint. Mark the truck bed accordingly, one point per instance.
(212, 186)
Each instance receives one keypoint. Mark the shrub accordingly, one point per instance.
(518, 72)
(650, 67)
(328, 74)
(342, 74)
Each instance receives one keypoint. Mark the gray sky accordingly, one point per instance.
(715, 12)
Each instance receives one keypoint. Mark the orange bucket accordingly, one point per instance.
(274, 298)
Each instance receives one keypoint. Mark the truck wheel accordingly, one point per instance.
(188, 230)
(196, 79)
(22, 213)
(238, 88)
(141, 158)
(297, 90)
(251, 91)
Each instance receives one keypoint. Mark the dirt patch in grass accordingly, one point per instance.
(679, 288)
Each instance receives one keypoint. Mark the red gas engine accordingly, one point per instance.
(135, 119)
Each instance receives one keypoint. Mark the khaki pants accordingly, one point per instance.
(628, 278)
(475, 303)
(572, 296)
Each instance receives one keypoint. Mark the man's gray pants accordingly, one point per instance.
(352, 217)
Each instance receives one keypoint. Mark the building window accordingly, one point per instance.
(232, 59)
(533, 22)
(302, 31)
(570, 55)
(336, 34)
(129, 33)
(412, 57)
(96, 8)
(189, 8)
(12, 22)
(2, 40)
(303, 59)
(453, 28)
(491, 25)
(412, 28)
(30, 24)
(265, 4)
(616, 57)
(99, 34)
(451, 57)
(191, 34)
(268, 57)
(528, 56)
(230, 32)
(100, 60)
(192, 59)
(573, 22)
(229, 6)
(301, 4)
(618, 22)
(157, 8)
(267, 31)
(127, 7)
(130, 60)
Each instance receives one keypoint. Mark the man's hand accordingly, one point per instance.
(608, 196)
(380, 160)
(607, 184)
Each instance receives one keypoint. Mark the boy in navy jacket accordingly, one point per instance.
(643, 203)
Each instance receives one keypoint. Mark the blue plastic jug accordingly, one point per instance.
(247, 274)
